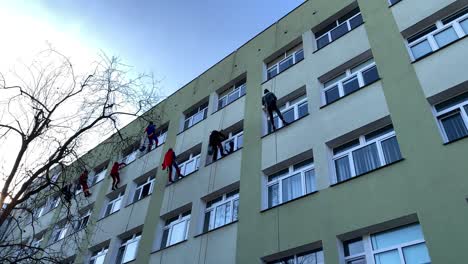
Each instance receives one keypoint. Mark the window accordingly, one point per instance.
(366, 153)
(284, 61)
(233, 143)
(190, 165)
(99, 175)
(175, 229)
(39, 211)
(311, 257)
(98, 256)
(291, 111)
(144, 189)
(55, 176)
(392, 2)
(131, 154)
(439, 35)
(290, 183)
(36, 242)
(236, 92)
(82, 221)
(349, 81)
(114, 205)
(338, 28)
(404, 245)
(52, 203)
(128, 249)
(221, 211)
(161, 135)
(452, 117)
(196, 116)
(58, 233)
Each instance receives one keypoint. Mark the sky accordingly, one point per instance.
(176, 40)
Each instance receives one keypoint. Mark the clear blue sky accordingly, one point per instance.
(175, 39)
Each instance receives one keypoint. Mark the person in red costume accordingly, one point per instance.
(84, 183)
(170, 162)
(115, 174)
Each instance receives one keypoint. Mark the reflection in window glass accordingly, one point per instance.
(446, 37)
(421, 49)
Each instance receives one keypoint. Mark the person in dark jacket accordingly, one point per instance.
(67, 192)
(215, 142)
(169, 163)
(269, 102)
(115, 174)
(151, 133)
(84, 183)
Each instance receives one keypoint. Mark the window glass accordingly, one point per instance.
(323, 41)
(446, 37)
(189, 167)
(454, 127)
(288, 62)
(235, 210)
(388, 257)
(146, 190)
(178, 233)
(391, 150)
(130, 252)
(353, 247)
(310, 181)
(273, 195)
(362, 66)
(396, 236)
(332, 94)
(360, 260)
(272, 72)
(240, 141)
(303, 109)
(370, 75)
(292, 187)
(379, 132)
(452, 102)
(299, 55)
(233, 96)
(351, 85)
(289, 115)
(366, 159)
(421, 49)
(100, 259)
(356, 21)
(223, 214)
(416, 254)
(206, 222)
(222, 102)
(464, 25)
(198, 117)
(346, 146)
(164, 238)
(343, 171)
(339, 31)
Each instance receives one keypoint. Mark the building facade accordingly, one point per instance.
(371, 167)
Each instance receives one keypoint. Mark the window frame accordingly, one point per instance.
(131, 156)
(99, 176)
(337, 25)
(213, 207)
(309, 166)
(348, 152)
(161, 135)
(97, 254)
(112, 202)
(192, 157)
(203, 108)
(285, 57)
(430, 36)
(140, 186)
(181, 219)
(52, 203)
(240, 89)
(296, 256)
(59, 232)
(450, 111)
(348, 75)
(135, 238)
(82, 223)
(291, 104)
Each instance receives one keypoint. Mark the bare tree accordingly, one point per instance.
(47, 117)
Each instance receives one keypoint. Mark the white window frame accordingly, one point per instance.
(113, 202)
(292, 104)
(276, 66)
(140, 186)
(171, 225)
(291, 172)
(130, 157)
(458, 108)
(40, 211)
(362, 143)
(239, 89)
(61, 231)
(133, 239)
(235, 138)
(296, 257)
(161, 135)
(349, 74)
(369, 253)
(182, 165)
(98, 254)
(337, 24)
(430, 36)
(81, 224)
(225, 200)
(97, 177)
(190, 119)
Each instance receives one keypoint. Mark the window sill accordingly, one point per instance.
(173, 245)
(435, 51)
(288, 125)
(317, 50)
(222, 157)
(282, 71)
(147, 152)
(227, 105)
(369, 84)
(201, 121)
(455, 140)
(178, 180)
(394, 4)
(217, 228)
(369, 172)
(290, 201)
(149, 195)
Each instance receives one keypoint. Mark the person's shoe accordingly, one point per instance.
(113, 188)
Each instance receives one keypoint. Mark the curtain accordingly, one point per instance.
(391, 150)
(454, 127)
(292, 187)
(343, 171)
(220, 215)
(366, 159)
(310, 181)
(273, 195)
